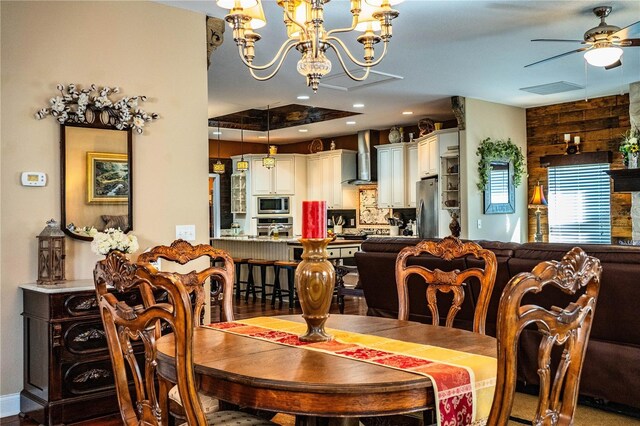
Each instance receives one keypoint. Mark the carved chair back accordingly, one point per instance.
(132, 328)
(568, 327)
(449, 248)
(183, 252)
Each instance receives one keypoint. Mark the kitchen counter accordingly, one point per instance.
(250, 238)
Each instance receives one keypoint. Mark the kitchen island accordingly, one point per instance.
(279, 248)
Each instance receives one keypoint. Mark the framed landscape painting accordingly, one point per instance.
(107, 178)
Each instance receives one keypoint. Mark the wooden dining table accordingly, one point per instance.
(312, 385)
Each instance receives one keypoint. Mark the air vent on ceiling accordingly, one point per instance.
(341, 81)
(551, 88)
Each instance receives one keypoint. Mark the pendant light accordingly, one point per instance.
(269, 162)
(218, 167)
(242, 165)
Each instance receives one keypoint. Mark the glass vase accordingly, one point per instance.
(632, 161)
(315, 280)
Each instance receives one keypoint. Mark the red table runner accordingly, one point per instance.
(463, 383)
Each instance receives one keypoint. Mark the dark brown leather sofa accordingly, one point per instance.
(611, 371)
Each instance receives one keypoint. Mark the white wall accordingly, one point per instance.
(496, 121)
(144, 48)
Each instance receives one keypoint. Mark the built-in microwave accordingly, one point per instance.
(273, 205)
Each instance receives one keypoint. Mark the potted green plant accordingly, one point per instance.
(629, 148)
(499, 150)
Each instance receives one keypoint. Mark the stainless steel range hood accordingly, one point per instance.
(367, 158)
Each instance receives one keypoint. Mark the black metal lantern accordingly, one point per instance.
(51, 254)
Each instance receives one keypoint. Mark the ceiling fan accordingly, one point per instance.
(603, 43)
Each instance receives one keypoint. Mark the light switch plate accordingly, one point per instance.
(186, 232)
(479, 223)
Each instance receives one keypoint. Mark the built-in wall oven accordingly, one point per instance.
(266, 226)
(274, 205)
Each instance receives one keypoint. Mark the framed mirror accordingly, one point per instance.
(499, 195)
(96, 179)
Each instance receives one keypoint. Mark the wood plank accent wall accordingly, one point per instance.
(600, 123)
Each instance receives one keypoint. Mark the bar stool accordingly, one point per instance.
(290, 267)
(251, 285)
(239, 262)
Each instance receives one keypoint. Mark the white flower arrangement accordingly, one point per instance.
(75, 105)
(113, 239)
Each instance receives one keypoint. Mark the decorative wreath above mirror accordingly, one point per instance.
(490, 151)
(93, 106)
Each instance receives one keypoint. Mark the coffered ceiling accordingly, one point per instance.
(439, 49)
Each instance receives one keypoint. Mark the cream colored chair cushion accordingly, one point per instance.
(235, 418)
(209, 403)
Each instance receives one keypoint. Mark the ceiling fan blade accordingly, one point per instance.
(616, 64)
(628, 31)
(582, 49)
(558, 39)
(630, 42)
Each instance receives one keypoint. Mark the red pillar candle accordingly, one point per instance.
(314, 219)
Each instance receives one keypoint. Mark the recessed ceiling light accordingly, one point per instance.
(262, 137)
(303, 130)
(407, 112)
(351, 123)
(303, 97)
(358, 105)
(216, 133)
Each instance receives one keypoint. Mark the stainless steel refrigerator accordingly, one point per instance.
(427, 208)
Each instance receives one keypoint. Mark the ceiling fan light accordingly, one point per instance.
(603, 56)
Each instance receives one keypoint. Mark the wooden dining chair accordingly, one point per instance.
(222, 279)
(448, 249)
(578, 275)
(132, 331)
(182, 252)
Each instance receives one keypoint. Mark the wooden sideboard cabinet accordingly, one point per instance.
(67, 368)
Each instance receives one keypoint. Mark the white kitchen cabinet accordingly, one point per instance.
(392, 189)
(428, 156)
(238, 193)
(277, 180)
(413, 175)
(326, 172)
(429, 150)
(314, 171)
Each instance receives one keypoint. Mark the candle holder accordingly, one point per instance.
(315, 280)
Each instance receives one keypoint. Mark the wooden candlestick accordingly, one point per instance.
(315, 280)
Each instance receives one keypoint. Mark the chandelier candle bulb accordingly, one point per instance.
(576, 140)
(314, 219)
(567, 137)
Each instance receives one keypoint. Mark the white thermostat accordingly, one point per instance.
(33, 179)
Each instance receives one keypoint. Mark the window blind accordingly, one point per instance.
(579, 204)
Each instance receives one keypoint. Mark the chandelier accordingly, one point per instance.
(304, 21)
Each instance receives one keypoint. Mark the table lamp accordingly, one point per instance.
(538, 202)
